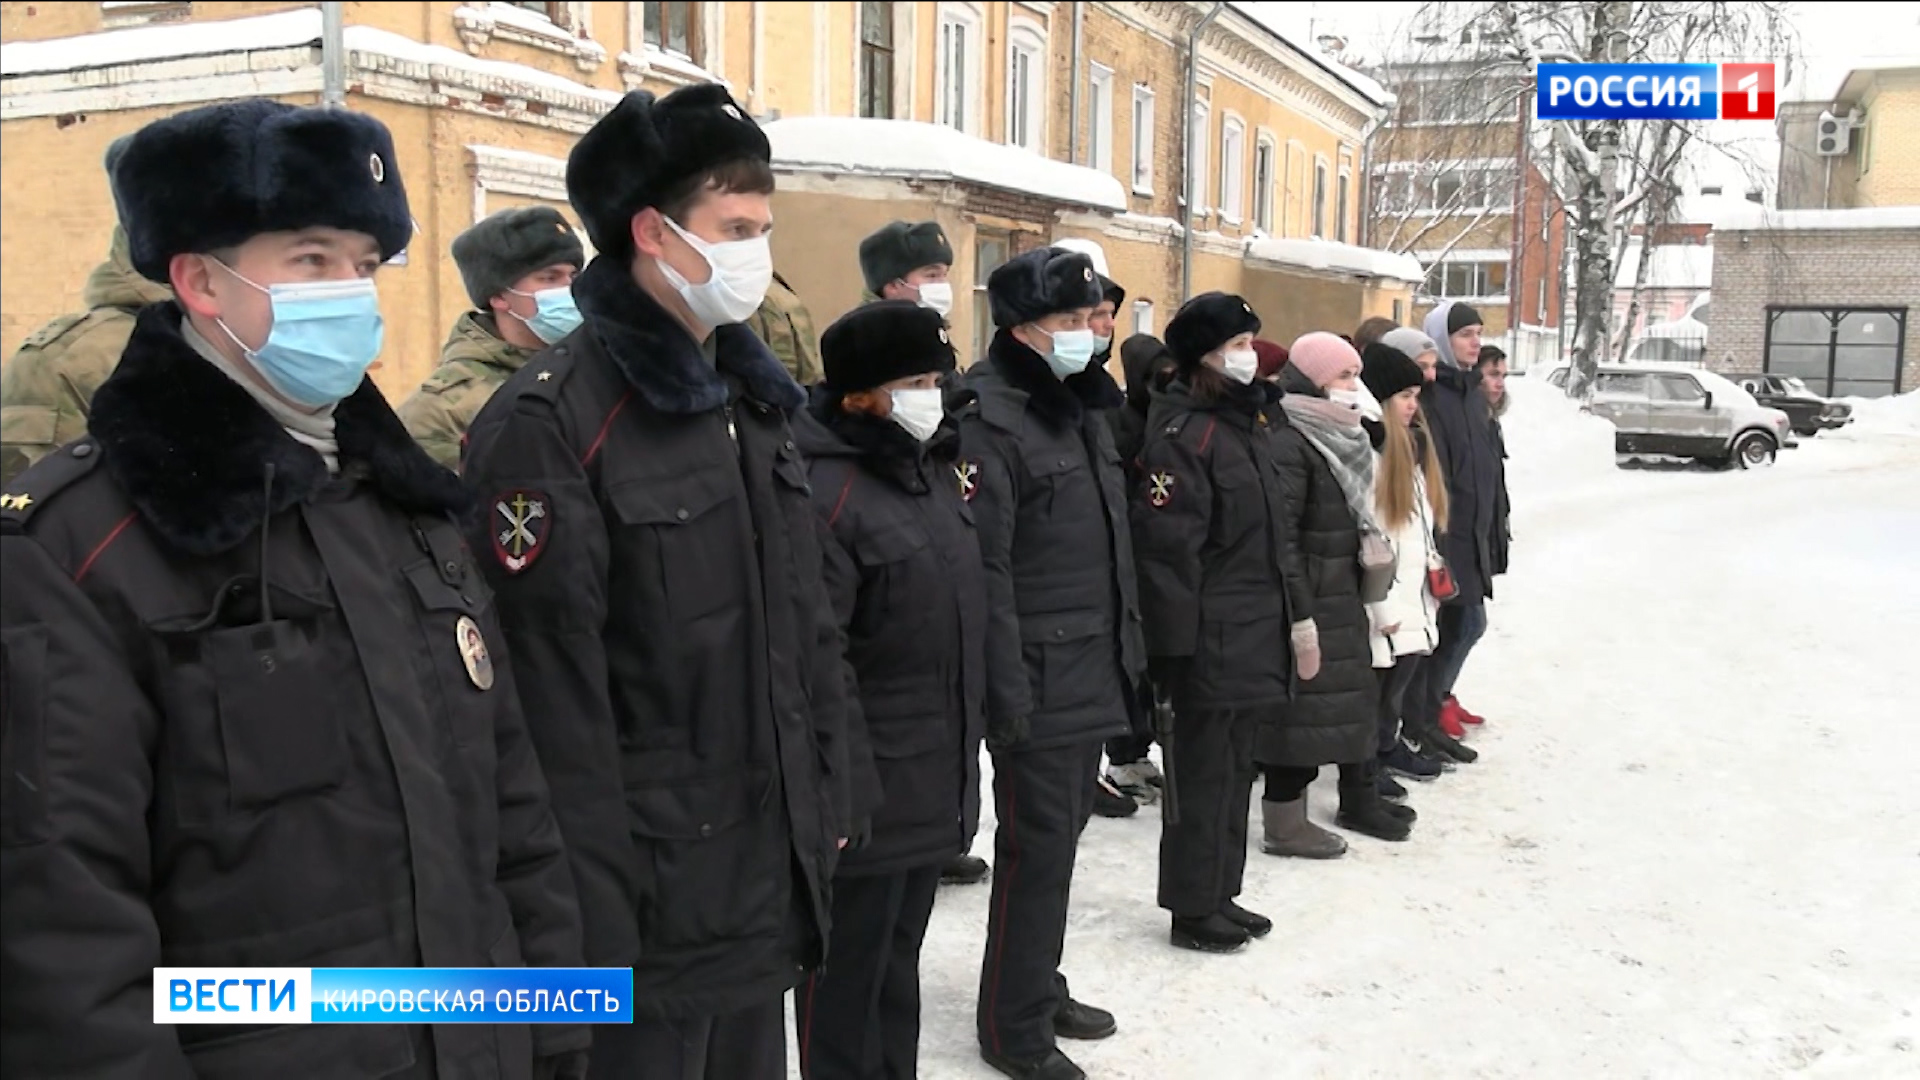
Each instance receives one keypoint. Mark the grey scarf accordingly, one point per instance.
(1335, 431)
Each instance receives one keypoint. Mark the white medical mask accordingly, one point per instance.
(936, 296)
(919, 412)
(1240, 365)
(1350, 398)
(1070, 352)
(742, 270)
(1101, 343)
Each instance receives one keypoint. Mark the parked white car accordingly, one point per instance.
(1672, 410)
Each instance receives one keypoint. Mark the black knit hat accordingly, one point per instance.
(638, 153)
(506, 246)
(218, 176)
(1207, 322)
(877, 343)
(1460, 316)
(1387, 371)
(899, 248)
(1042, 282)
(1111, 290)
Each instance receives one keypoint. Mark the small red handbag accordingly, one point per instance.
(1440, 582)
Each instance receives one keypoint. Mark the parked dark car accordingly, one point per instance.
(1810, 413)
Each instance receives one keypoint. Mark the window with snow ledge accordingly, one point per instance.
(1263, 183)
(1233, 162)
(1142, 141)
(1027, 85)
(1320, 196)
(142, 13)
(1340, 205)
(957, 66)
(557, 27)
(1195, 182)
(666, 42)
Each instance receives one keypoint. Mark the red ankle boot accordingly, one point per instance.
(1460, 712)
(1450, 721)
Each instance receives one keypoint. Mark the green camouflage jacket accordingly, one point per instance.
(783, 323)
(48, 385)
(473, 364)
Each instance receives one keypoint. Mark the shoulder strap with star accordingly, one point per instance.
(32, 490)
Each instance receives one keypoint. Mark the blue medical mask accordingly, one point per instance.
(555, 315)
(1101, 343)
(325, 336)
(1071, 352)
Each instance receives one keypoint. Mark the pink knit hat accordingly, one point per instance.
(1321, 357)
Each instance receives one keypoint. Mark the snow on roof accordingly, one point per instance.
(911, 149)
(1674, 266)
(1264, 16)
(1752, 217)
(285, 29)
(1868, 64)
(111, 48)
(1682, 329)
(1330, 255)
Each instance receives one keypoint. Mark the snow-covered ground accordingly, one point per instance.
(1689, 848)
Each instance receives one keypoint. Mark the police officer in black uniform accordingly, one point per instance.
(903, 568)
(653, 543)
(1064, 651)
(1212, 533)
(257, 710)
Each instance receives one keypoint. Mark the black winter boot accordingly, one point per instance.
(1078, 1020)
(1401, 761)
(1052, 1065)
(964, 870)
(1215, 934)
(1362, 810)
(1388, 787)
(1109, 802)
(1436, 743)
(1255, 924)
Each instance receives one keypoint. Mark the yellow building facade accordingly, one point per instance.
(1014, 124)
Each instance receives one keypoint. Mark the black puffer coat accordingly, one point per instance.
(1213, 534)
(1064, 650)
(1463, 435)
(1332, 718)
(902, 565)
(255, 716)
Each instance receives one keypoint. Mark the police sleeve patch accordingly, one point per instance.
(1160, 493)
(968, 473)
(522, 523)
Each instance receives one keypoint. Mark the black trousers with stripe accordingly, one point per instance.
(859, 1019)
(1043, 799)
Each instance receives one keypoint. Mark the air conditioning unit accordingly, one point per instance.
(1832, 135)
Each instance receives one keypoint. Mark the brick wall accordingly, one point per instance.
(1890, 154)
(1837, 268)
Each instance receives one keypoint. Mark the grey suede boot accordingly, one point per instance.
(1289, 833)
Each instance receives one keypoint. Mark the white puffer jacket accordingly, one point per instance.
(1410, 603)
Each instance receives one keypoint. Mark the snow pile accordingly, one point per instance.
(375, 42)
(909, 149)
(1317, 254)
(1673, 266)
(1554, 450)
(1888, 415)
(169, 42)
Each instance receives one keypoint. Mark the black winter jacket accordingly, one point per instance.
(1332, 718)
(1064, 649)
(202, 770)
(1502, 511)
(1213, 533)
(1141, 357)
(676, 648)
(1458, 415)
(902, 566)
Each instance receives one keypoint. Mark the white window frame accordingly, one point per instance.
(1199, 130)
(1342, 202)
(1100, 122)
(1143, 317)
(1319, 185)
(966, 18)
(1296, 162)
(1263, 193)
(1233, 169)
(1028, 39)
(1142, 164)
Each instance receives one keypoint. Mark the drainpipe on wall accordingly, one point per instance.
(1073, 92)
(333, 55)
(1190, 182)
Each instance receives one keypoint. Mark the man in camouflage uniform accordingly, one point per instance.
(784, 325)
(48, 385)
(518, 266)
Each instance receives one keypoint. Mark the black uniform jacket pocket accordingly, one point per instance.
(705, 845)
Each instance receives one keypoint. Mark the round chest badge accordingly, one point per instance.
(473, 653)
(378, 168)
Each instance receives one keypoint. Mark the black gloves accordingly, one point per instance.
(1003, 734)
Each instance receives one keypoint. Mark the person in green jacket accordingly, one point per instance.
(785, 325)
(518, 267)
(47, 387)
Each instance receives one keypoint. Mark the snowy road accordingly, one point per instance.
(1690, 847)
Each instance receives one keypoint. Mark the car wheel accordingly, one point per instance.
(1754, 450)
(1806, 432)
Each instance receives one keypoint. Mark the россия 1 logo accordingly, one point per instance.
(1654, 92)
